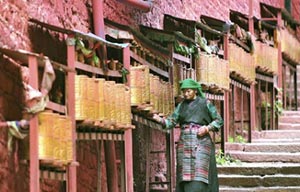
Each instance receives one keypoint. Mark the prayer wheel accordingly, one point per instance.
(66, 138)
(211, 69)
(160, 96)
(176, 74)
(127, 99)
(136, 85)
(57, 139)
(81, 97)
(89, 101)
(146, 91)
(154, 90)
(202, 69)
(109, 102)
(100, 99)
(45, 139)
(119, 102)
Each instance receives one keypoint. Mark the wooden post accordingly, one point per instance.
(128, 133)
(172, 132)
(279, 23)
(33, 132)
(252, 86)
(71, 171)
(252, 112)
(250, 19)
(111, 166)
(226, 94)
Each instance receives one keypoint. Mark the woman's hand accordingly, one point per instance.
(202, 131)
(157, 118)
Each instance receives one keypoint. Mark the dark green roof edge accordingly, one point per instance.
(139, 35)
(196, 24)
(177, 35)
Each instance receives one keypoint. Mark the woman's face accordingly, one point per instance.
(189, 94)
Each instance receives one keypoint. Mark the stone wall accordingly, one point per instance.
(16, 33)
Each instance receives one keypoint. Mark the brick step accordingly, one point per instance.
(277, 134)
(276, 140)
(260, 168)
(289, 119)
(264, 147)
(259, 189)
(289, 126)
(290, 113)
(264, 156)
(259, 181)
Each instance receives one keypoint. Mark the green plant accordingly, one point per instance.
(237, 139)
(278, 103)
(240, 139)
(225, 159)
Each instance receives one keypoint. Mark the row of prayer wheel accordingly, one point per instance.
(290, 45)
(55, 137)
(241, 62)
(101, 100)
(266, 56)
(210, 69)
(149, 89)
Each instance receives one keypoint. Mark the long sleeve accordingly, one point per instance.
(171, 121)
(217, 122)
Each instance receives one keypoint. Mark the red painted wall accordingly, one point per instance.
(76, 14)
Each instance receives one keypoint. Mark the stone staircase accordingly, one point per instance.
(270, 163)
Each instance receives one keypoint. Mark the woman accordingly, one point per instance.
(196, 163)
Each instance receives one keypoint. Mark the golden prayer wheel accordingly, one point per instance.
(100, 102)
(119, 102)
(154, 91)
(136, 85)
(80, 86)
(202, 69)
(46, 125)
(81, 95)
(109, 101)
(146, 92)
(57, 137)
(123, 102)
(69, 151)
(92, 98)
(176, 79)
(160, 96)
(127, 98)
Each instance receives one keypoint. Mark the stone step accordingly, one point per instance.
(264, 147)
(259, 181)
(289, 113)
(289, 119)
(276, 140)
(289, 126)
(277, 134)
(264, 156)
(264, 168)
(259, 189)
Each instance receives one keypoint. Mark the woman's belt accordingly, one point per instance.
(191, 126)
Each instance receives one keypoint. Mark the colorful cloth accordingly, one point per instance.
(195, 155)
(15, 130)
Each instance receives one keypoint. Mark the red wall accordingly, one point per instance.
(76, 14)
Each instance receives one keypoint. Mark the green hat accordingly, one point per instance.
(192, 84)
